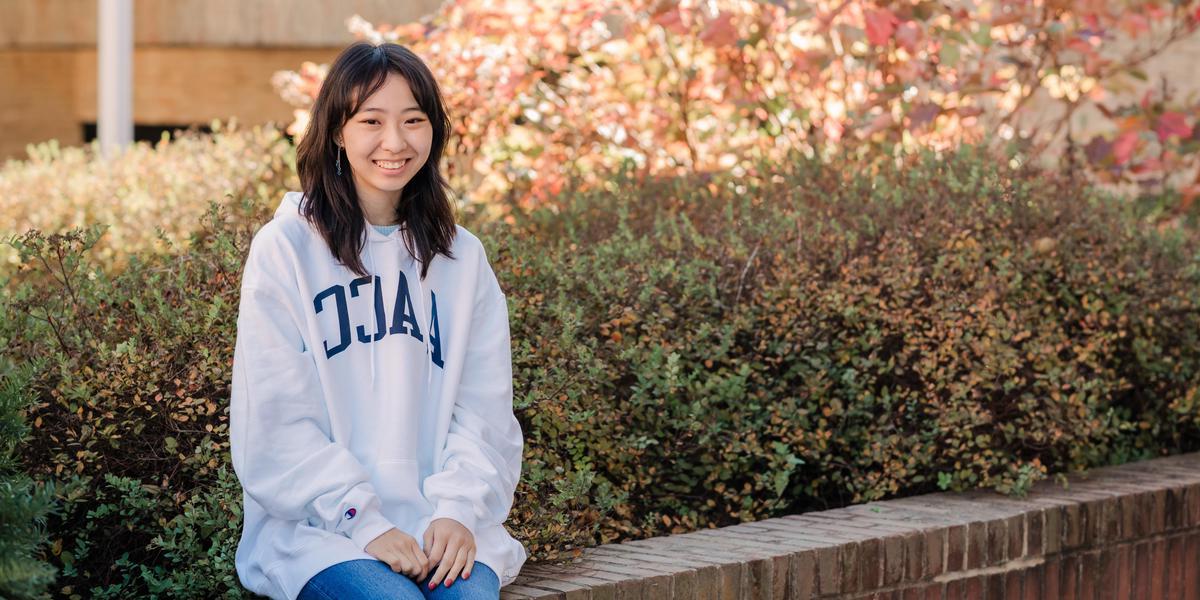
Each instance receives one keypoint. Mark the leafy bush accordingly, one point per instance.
(688, 352)
(146, 194)
(24, 504)
(721, 353)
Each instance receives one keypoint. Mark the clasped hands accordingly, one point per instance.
(448, 544)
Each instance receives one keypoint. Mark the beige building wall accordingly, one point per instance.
(37, 99)
(194, 60)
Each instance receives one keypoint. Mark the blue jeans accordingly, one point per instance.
(369, 579)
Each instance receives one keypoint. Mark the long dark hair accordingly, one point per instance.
(332, 204)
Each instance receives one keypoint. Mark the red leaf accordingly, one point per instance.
(881, 23)
(1172, 123)
(1124, 146)
(720, 31)
(1080, 45)
(672, 20)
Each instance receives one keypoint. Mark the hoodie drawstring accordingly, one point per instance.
(428, 323)
(371, 259)
(424, 312)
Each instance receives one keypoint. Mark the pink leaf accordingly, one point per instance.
(908, 36)
(881, 23)
(1146, 99)
(672, 20)
(879, 123)
(1151, 165)
(1124, 146)
(1172, 123)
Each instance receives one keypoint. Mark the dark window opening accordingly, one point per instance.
(147, 133)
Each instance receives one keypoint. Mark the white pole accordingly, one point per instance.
(114, 126)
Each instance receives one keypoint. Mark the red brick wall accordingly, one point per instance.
(1131, 531)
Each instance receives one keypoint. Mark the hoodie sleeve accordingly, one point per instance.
(279, 428)
(481, 463)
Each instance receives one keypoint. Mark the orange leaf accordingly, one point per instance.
(1133, 24)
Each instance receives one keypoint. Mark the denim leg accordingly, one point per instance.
(360, 579)
(483, 585)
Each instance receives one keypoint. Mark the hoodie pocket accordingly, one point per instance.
(398, 484)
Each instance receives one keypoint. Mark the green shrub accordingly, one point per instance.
(24, 504)
(687, 353)
(725, 350)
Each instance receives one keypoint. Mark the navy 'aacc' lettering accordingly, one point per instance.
(404, 316)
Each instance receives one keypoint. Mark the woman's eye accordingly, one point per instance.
(415, 120)
(370, 121)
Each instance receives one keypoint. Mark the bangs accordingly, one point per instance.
(368, 81)
(374, 74)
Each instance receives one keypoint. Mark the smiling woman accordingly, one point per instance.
(378, 104)
(386, 142)
(371, 421)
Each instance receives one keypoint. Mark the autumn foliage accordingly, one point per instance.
(545, 91)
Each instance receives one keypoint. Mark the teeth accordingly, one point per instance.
(390, 165)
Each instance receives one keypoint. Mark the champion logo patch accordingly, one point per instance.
(350, 513)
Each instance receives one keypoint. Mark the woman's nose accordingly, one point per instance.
(393, 140)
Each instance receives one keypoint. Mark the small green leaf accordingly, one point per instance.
(948, 55)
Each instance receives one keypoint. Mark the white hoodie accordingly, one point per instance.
(363, 404)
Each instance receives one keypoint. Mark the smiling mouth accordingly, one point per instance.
(391, 165)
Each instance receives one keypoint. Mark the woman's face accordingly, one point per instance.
(387, 142)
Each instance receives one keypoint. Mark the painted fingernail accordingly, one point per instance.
(448, 583)
(432, 585)
(466, 576)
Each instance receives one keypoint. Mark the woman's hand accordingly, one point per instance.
(401, 552)
(452, 547)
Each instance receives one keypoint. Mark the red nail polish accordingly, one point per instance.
(431, 585)
(447, 583)
(467, 576)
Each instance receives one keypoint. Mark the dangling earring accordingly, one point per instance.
(339, 161)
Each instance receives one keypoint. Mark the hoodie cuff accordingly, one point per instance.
(463, 512)
(369, 525)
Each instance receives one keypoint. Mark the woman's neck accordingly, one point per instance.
(379, 211)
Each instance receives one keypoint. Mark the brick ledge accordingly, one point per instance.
(1134, 528)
